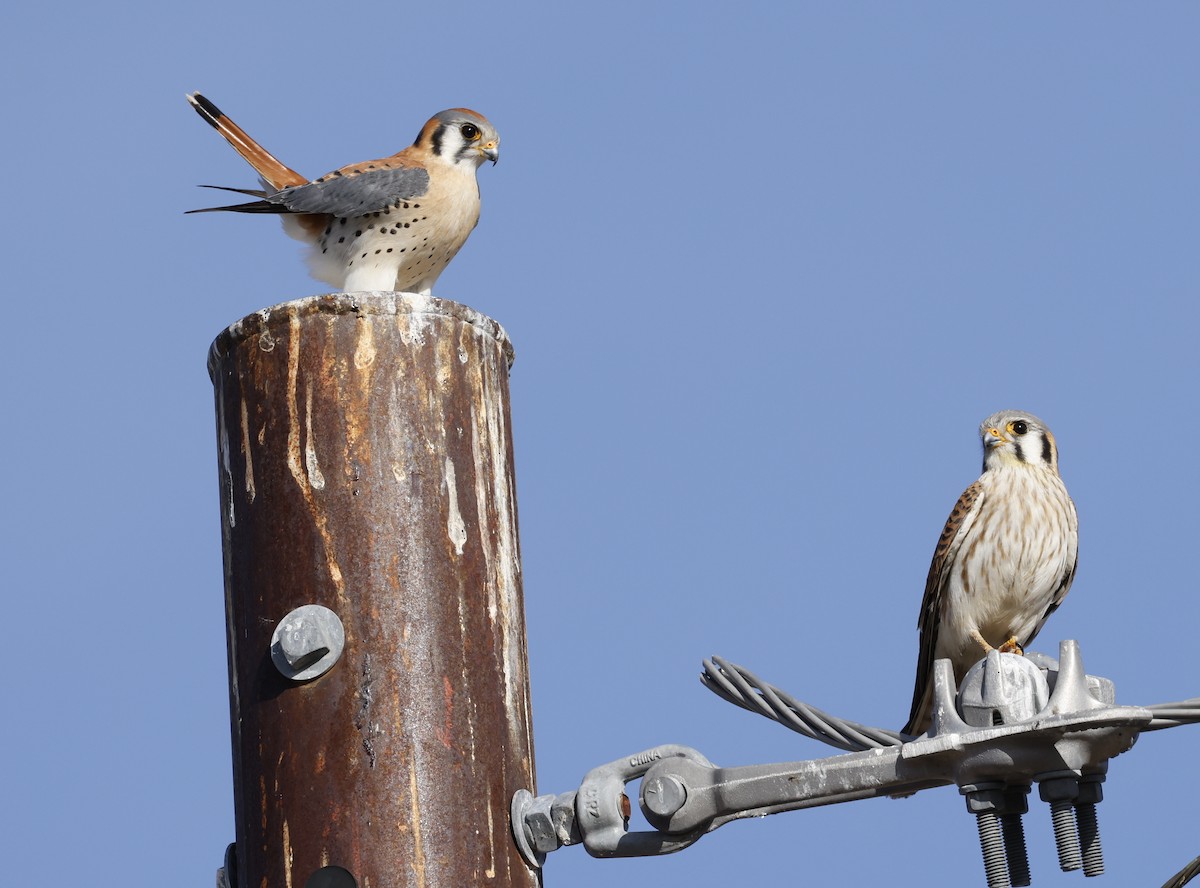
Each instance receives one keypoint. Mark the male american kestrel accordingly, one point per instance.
(1005, 559)
(388, 224)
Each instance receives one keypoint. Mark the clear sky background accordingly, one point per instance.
(765, 267)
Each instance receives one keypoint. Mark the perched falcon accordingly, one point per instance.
(388, 224)
(1005, 559)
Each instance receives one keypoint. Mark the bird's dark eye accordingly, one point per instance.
(470, 131)
(1019, 427)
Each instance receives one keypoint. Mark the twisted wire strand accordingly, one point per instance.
(1184, 876)
(1168, 715)
(741, 687)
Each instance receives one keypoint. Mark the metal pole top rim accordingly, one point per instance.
(363, 304)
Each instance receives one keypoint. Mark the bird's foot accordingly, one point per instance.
(1012, 646)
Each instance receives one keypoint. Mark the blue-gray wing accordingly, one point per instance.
(353, 194)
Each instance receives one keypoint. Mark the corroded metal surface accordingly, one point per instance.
(365, 462)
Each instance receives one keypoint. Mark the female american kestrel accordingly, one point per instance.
(388, 224)
(1005, 559)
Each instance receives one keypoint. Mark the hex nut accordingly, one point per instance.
(539, 825)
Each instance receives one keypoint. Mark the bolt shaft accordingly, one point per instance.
(1089, 839)
(1062, 815)
(1014, 848)
(991, 841)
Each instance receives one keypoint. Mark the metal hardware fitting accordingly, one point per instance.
(307, 642)
(1018, 720)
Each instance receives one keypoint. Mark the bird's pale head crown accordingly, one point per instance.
(460, 136)
(1014, 436)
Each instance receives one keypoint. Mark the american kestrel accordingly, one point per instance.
(1005, 559)
(388, 224)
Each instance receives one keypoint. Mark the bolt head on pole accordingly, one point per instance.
(307, 642)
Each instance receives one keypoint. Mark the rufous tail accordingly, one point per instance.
(265, 164)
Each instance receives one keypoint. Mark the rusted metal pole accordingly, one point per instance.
(366, 467)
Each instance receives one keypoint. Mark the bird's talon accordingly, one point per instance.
(1012, 646)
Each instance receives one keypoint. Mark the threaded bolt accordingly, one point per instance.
(1089, 828)
(1066, 838)
(991, 841)
(986, 802)
(1016, 804)
(1014, 849)
(1061, 789)
(1089, 840)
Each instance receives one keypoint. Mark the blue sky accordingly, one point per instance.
(765, 270)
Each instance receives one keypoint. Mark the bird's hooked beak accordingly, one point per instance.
(993, 438)
(491, 150)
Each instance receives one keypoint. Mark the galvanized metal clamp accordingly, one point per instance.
(597, 814)
(1018, 720)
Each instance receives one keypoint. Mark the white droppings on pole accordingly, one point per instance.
(364, 350)
(456, 528)
(504, 600)
(479, 454)
(310, 450)
(293, 377)
(295, 469)
(490, 872)
(288, 857)
(415, 794)
(226, 471)
(246, 456)
(418, 318)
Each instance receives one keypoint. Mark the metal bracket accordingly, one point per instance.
(1027, 720)
(597, 814)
